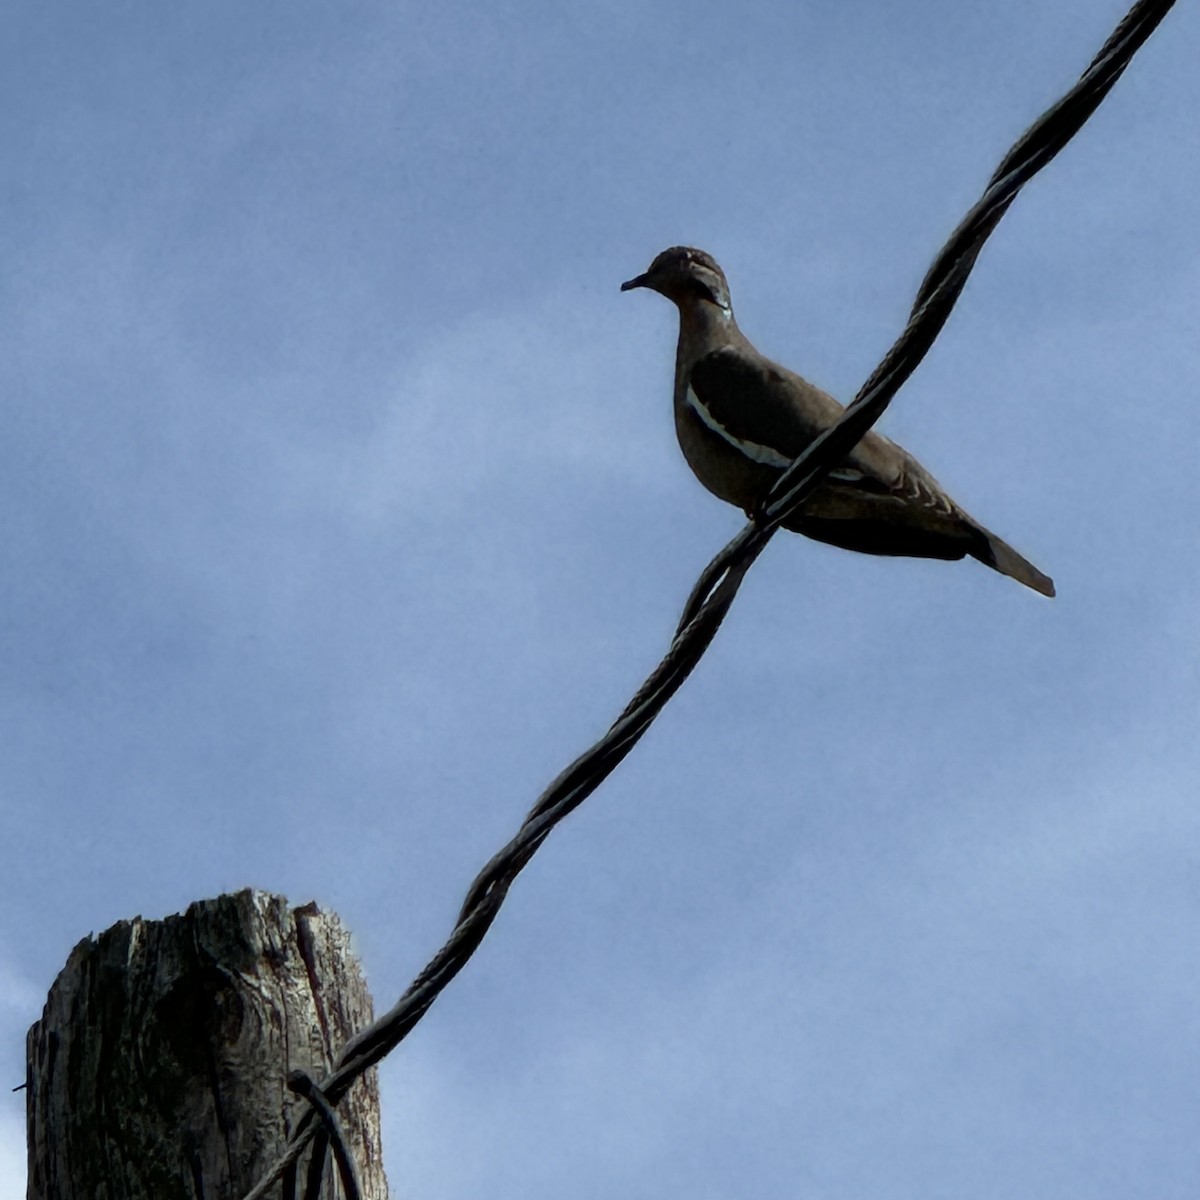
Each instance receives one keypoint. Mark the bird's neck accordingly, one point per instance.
(703, 326)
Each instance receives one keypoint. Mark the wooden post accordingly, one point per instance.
(158, 1070)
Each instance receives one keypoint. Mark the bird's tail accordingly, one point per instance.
(1000, 556)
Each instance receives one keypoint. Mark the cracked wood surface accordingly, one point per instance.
(158, 1069)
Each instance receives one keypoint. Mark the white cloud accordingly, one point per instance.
(13, 1171)
(17, 993)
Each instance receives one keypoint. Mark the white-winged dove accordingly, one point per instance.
(741, 419)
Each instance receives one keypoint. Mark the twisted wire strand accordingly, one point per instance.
(715, 590)
(332, 1133)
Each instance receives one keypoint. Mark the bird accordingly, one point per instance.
(741, 419)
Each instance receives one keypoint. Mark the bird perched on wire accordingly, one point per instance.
(741, 419)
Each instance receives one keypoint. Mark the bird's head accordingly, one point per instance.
(684, 274)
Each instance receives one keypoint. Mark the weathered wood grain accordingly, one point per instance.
(158, 1069)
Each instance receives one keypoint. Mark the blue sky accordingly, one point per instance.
(341, 508)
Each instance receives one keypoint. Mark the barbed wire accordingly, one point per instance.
(717, 587)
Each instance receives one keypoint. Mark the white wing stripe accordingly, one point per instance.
(752, 450)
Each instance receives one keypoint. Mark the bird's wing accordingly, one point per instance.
(758, 405)
(878, 464)
(751, 400)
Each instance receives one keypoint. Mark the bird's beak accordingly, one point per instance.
(637, 282)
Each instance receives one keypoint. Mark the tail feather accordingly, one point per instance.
(1000, 556)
